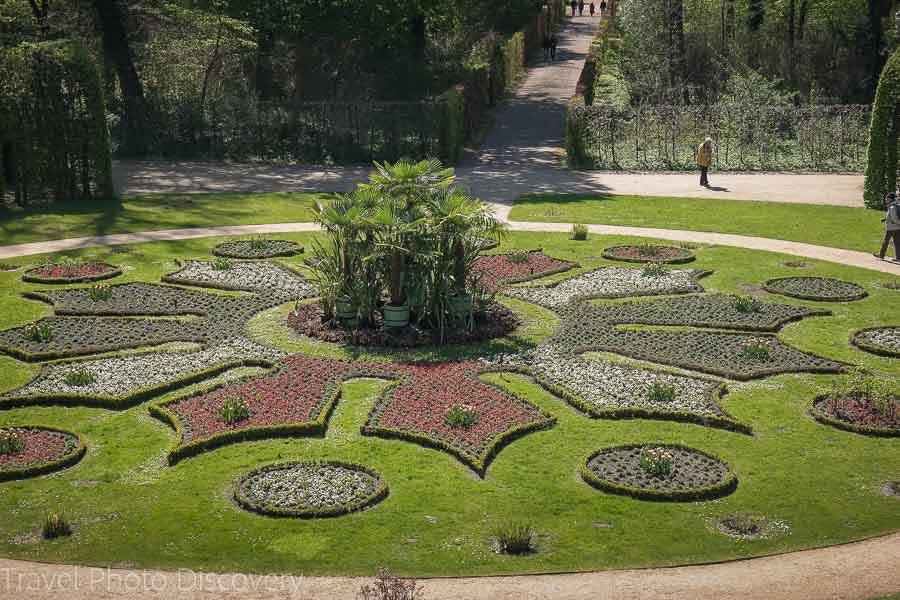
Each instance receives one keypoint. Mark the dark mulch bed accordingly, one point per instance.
(860, 412)
(71, 273)
(649, 254)
(308, 319)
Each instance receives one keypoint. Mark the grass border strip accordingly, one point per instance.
(608, 254)
(824, 418)
(767, 286)
(872, 348)
(711, 492)
(381, 492)
(67, 460)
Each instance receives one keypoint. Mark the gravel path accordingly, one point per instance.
(857, 571)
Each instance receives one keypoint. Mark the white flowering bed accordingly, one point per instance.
(885, 339)
(609, 282)
(245, 276)
(309, 489)
(608, 386)
(114, 377)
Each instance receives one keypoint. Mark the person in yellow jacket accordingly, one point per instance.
(704, 160)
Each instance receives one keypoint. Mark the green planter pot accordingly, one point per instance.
(395, 316)
(344, 309)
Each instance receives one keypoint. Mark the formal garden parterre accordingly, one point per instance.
(463, 432)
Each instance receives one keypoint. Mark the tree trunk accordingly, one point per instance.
(113, 20)
(459, 266)
(397, 295)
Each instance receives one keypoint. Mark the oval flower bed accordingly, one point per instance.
(71, 273)
(497, 270)
(633, 470)
(309, 490)
(256, 249)
(859, 414)
(38, 450)
(822, 289)
(649, 253)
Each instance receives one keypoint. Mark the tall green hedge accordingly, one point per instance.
(881, 171)
(53, 132)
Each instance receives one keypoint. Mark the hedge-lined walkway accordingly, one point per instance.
(857, 571)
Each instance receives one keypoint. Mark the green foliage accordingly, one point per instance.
(80, 377)
(11, 442)
(100, 293)
(39, 332)
(653, 270)
(221, 264)
(661, 392)
(881, 168)
(389, 587)
(234, 410)
(514, 537)
(53, 124)
(579, 232)
(657, 462)
(517, 257)
(461, 416)
(756, 351)
(747, 304)
(55, 526)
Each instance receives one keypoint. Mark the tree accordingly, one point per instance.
(881, 168)
(112, 17)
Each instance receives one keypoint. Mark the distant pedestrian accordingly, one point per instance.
(704, 160)
(545, 44)
(554, 42)
(580, 8)
(593, 9)
(574, 5)
(602, 7)
(892, 226)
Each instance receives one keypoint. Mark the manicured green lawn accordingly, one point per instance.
(129, 508)
(835, 226)
(155, 212)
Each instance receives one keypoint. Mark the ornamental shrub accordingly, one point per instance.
(657, 461)
(388, 587)
(221, 264)
(661, 392)
(100, 293)
(579, 232)
(39, 332)
(881, 168)
(55, 525)
(514, 537)
(11, 442)
(53, 125)
(461, 416)
(234, 410)
(80, 377)
(747, 304)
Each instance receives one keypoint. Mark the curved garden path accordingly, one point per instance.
(856, 571)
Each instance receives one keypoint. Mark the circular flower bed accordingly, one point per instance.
(256, 249)
(822, 289)
(31, 451)
(868, 416)
(648, 253)
(497, 270)
(309, 319)
(310, 490)
(879, 340)
(639, 471)
(71, 273)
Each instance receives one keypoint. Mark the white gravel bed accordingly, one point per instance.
(309, 486)
(123, 375)
(609, 386)
(609, 282)
(887, 338)
(249, 276)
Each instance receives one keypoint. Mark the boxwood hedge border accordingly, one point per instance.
(712, 492)
(381, 493)
(767, 286)
(609, 254)
(824, 418)
(43, 468)
(872, 348)
(28, 278)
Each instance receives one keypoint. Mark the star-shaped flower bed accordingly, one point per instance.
(299, 397)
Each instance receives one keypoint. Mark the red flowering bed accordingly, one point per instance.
(497, 270)
(71, 273)
(298, 398)
(44, 450)
(860, 414)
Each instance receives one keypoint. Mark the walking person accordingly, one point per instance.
(574, 5)
(704, 160)
(891, 225)
(554, 42)
(545, 44)
(580, 8)
(593, 8)
(602, 8)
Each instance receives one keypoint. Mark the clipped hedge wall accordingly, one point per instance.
(53, 137)
(881, 170)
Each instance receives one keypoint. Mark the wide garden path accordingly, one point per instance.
(857, 571)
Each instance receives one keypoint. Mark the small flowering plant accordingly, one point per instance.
(658, 462)
(462, 416)
(11, 442)
(654, 270)
(100, 293)
(757, 350)
(234, 410)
